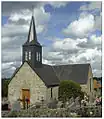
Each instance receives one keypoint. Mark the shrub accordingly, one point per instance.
(60, 112)
(13, 114)
(68, 89)
(5, 83)
(89, 112)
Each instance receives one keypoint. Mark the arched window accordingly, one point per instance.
(26, 58)
(29, 55)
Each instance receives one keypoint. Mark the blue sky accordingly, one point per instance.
(4, 20)
(57, 22)
(65, 28)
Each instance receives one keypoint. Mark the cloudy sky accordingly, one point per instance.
(70, 33)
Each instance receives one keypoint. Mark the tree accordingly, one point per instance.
(68, 89)
(5, 83)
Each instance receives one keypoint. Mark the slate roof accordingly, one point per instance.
(75, 72)
(32, 43)
(47, 74)
(51, 75)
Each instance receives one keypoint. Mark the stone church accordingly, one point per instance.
(38, 81)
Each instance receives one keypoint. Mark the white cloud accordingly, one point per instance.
(58, 4)
(5, 40)
(66, 54)
(6, 65)
(13, 30)
(41, 17)
(89, 54)
(96, 40)
(23, 14)
(14, 27)
(11, 7)
(98, 22)
(95, 8)
(54, 55)
(92, 56)
(93, 5)
(26, 15)
(97, 73)
(11, 43)
(93, 42)
(66, 44)
(62, 51)
(8, 69)
(18, 6)
(81, 27)
(12, 55)
(40, 29)
(14, 34)
(67, 51)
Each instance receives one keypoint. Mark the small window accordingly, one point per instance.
(37, 56)
(29, 55)
(26, 56)
(51, 93)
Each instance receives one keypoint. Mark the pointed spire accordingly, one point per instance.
(32, 37)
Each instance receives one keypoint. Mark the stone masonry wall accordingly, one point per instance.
(26, 78)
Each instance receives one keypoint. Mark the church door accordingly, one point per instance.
(25, 96)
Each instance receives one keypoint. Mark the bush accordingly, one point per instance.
(13, 114)
(61, 112)
(5, 83)
(89, 112)
(68, 89)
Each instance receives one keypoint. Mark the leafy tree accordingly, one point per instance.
(5, 83)
(68, 89)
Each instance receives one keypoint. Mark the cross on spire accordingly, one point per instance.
(32, 10)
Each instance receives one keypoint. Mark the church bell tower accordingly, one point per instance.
(31, 49)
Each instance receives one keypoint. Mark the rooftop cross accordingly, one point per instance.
(32, 10)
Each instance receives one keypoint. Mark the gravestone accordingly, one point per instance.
(66, 104)
(16, 106)
(52, 103)
(59, 104)
(77, 101)
(71, 100)
(74, 104)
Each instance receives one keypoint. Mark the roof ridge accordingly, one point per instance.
(73, 64)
